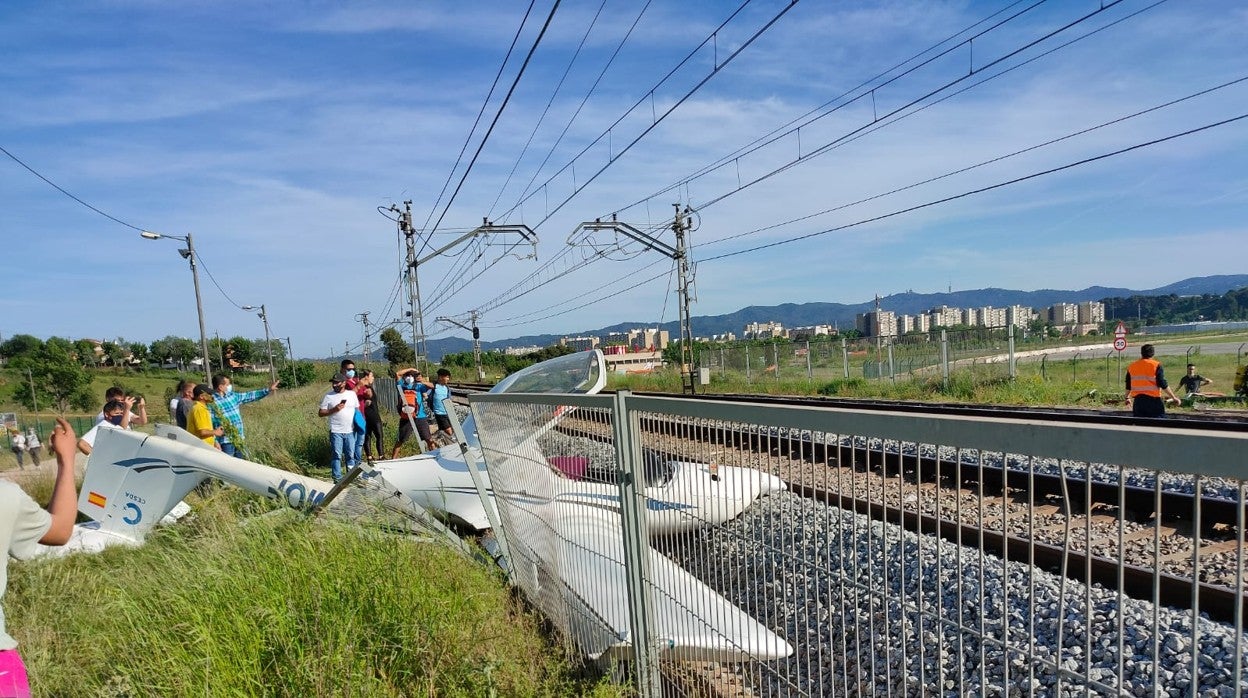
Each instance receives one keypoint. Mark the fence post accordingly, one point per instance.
(1013, 366)
(1044, 375)
(625, 432)
(892, 371)
(775, 357)
(748, 378)
(1074, 367)
(723, 368)
(944, 358)
(810, 374)
(845, 358)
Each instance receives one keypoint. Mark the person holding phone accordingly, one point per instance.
(340, 404)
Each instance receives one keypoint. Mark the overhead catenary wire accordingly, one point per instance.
(542, 117)
(805, 120)
(576, 112)
(485, 103)
(982, 163)
(502, 299)
(496, 303)
(655, 122)
(980, 190)
(892, 214)
(498, 115)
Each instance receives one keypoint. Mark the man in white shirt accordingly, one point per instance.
(118, 394)
(23, 525)
(340, 404)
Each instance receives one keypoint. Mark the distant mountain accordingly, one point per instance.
(842, 315)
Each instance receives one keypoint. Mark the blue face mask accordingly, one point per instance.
(351, 373)
(115, 420)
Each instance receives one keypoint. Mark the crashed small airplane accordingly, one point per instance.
(565, 527)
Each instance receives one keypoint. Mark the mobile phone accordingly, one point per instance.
(343, 402)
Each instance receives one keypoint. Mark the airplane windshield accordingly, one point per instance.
(581, 372)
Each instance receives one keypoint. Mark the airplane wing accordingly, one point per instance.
(576, 570)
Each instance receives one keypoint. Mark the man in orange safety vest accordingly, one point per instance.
(1145, 382)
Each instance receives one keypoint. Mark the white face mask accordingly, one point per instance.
(229, 389)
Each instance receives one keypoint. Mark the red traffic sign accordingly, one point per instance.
(1120, 330)
(1120, 343)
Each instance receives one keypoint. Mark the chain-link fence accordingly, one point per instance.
(739, 549)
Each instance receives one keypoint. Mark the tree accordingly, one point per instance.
(59, 379)
(84, 349)
(21, 345)
(242, 350)
(184, 350)
(113, 353)
(138, 352)
(398, 351)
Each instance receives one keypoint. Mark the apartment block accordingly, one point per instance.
(882, 323)
(579, 343)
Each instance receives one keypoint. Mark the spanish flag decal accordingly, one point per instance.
(97, 499)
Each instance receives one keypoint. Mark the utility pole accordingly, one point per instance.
(681, 226)
(413, 286)
(268, 344)
(476, 342)
(290, 357)
(405, 226)
(363, 317)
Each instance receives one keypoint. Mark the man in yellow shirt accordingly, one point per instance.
(199, 421)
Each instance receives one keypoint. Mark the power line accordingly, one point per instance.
(484, 104)
(788, 128)
(880, 122)
(981, 190)
(203, 266)
(550, 153)
(540, 119)
(59, 188)
(499, 114)
(656, 120)
(526, 319)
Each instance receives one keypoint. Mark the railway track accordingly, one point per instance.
(1094, 532)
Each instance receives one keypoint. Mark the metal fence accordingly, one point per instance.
(983, 352)
(909, 555)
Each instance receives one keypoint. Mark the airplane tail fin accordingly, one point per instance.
(133, 480)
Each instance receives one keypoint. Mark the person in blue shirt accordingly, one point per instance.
(414, 394)
(441, 394)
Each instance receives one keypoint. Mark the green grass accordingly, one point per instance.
(232, 603)
(281, 606)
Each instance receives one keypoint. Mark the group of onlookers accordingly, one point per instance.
(212, 413)
(355, 426)
(25, 445)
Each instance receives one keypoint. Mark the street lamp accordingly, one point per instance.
(188, 253)
(268, 345)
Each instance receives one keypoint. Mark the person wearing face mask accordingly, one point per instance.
(347, 369)
(116, 416)
(227, 402)
(199, 421)
(115, 393)
(414, 393)
(340, 404)
(372, 441)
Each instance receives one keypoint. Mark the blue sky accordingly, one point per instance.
(273, 131)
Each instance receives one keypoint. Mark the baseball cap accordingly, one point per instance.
(338, 378)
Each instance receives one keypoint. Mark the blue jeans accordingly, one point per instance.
(343, 448)
(359, 444)
(229, 449)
